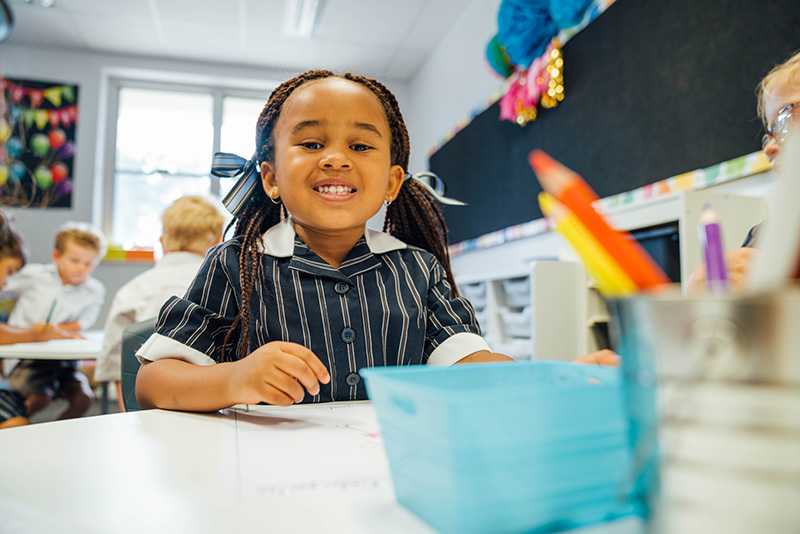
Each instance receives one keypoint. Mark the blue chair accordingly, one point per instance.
(132, 338)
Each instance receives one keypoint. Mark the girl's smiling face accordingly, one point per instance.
(332, 156)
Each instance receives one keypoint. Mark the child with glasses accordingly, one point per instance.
(779, 110)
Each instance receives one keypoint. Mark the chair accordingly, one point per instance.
(132, 338)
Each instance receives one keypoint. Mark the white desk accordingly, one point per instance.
(57, 349)
(60, 349)
(298, 469)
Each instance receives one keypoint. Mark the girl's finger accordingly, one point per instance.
(299, 369)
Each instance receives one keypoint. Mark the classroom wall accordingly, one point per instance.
(453, 81)
(88, 70)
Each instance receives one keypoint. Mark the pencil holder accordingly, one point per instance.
(712, 394)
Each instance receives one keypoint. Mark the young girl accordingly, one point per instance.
(12, 259)
(304, 295)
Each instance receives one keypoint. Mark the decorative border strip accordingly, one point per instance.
(726, 171)
(121, 255)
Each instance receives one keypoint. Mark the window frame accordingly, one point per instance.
(108, 153)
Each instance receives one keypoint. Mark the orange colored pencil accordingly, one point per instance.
(570, 189)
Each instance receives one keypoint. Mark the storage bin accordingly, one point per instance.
(505, 447)
(475, 292)
(516, 323)
(517, 291)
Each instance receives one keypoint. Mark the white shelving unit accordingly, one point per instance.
(534, 299)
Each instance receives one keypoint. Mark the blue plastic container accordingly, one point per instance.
(522, 447)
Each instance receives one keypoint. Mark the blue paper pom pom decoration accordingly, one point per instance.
(525, 28)
(568, 13)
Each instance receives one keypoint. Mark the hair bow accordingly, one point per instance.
(435, 186)
(226, 165)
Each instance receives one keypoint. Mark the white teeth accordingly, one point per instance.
(335, 189)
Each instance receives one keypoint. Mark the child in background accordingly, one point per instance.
(778, 104)
(304, 295)
(12, 258)
(62, 293)
(190, 226)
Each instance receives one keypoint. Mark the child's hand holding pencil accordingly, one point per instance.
(48, 332)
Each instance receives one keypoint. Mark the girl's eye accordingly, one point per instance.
(311, 145)
(360, 147)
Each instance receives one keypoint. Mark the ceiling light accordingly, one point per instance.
(301, 17)
(37, 3)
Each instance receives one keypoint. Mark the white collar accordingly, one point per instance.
(278, 241)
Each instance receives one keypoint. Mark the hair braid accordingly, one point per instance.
(416, 218)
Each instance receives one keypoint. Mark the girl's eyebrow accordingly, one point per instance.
(305, 124)
(369, 127)
(302, 125)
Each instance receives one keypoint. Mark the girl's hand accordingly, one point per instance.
(277, 373)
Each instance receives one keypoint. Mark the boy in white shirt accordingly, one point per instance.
(65, 294)
(190, 226)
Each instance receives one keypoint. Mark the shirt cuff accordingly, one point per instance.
(457, 347)
(158, 347)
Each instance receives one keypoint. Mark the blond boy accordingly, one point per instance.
(190, 226)
(62, 293)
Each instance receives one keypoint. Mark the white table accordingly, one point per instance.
(299, 469)
(60, 349)
(57, 349)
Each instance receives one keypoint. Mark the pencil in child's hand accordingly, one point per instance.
(50, 313)
(713, 251)
(570, 189)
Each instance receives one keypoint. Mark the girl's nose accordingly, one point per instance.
(335, 160)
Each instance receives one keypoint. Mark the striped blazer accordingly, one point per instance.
(388, 303)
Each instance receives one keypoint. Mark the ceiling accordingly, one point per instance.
(387, 38)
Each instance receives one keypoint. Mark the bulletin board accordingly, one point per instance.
(38, 128)
(653, 89)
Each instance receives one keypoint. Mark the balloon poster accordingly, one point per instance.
(38, 121)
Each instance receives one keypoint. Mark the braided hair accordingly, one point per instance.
(413, 217)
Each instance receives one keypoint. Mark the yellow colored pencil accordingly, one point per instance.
(609, 276)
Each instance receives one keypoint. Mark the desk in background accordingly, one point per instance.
(60, 349)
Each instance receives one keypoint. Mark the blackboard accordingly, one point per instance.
(653, 89)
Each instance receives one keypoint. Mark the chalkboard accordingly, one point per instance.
(653, 89)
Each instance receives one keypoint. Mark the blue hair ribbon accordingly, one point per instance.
(226, 165)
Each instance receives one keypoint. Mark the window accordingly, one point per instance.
(239, 116)
(165, 140)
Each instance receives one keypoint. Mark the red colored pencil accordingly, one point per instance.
(573, 192)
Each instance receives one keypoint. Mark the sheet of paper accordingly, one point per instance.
(310, 449)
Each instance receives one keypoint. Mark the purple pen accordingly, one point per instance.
(713, 251)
